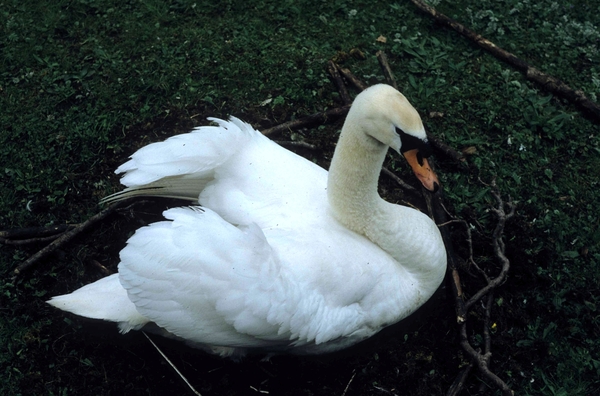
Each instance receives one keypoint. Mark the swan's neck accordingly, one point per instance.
(353, 178)
(408, 235)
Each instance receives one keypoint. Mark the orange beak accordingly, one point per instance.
(422, 170)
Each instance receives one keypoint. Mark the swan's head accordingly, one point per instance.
(387, 116)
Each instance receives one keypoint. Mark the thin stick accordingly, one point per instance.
(400, 182)
(385, 68)
(332, 68)
(30, 241)
(441, 216)
(349, 382)
(459, 381)
(352, 78)
(35, 232)
(66, 237)
(445, 149)
(481, 360)
(498, 246)
(486, 325)
(549, 83)
(320, 118)
(100, 267)
(172, 365)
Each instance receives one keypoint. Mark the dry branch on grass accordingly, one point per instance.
(401, 183)
(317, 118)
(352, 78)
(35, 232)
(291, 143)
(444, 148)
(479, 358)
(547, 82)
(482, 358)
(29, 241)
(333, 70)
(386, 69)
(67, 236)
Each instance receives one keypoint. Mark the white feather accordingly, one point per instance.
(281, 256)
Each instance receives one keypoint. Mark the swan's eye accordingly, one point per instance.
(410, 142)
(420, 158)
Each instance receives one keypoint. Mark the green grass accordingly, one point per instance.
(85, 83)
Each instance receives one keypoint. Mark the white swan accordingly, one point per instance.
(281, 256)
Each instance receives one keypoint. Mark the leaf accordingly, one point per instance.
(411, 80)
(570, 254)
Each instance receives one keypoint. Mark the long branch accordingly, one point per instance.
(481, 360)
(546, 81)
(309, 120)
(35, 232)
(66, 237)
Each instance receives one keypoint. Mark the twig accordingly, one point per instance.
(459, 381)
(349, 382)
(35, 232)
(499, 248)
(30, 241)
(352, 78)
(332, 68)
(441, 216)
(487, 338)
(482, 360)
(479, 359)
(444, 148)
(321, 118)
(290, 143)
(172, 365)
(100, 267)
(66, 237)
(264, 392)
(385, 68)
(400, 182)
(382, 389)
(549, 83)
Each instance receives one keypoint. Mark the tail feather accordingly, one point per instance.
(104, 299)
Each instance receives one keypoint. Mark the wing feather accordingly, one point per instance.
(197, 288)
